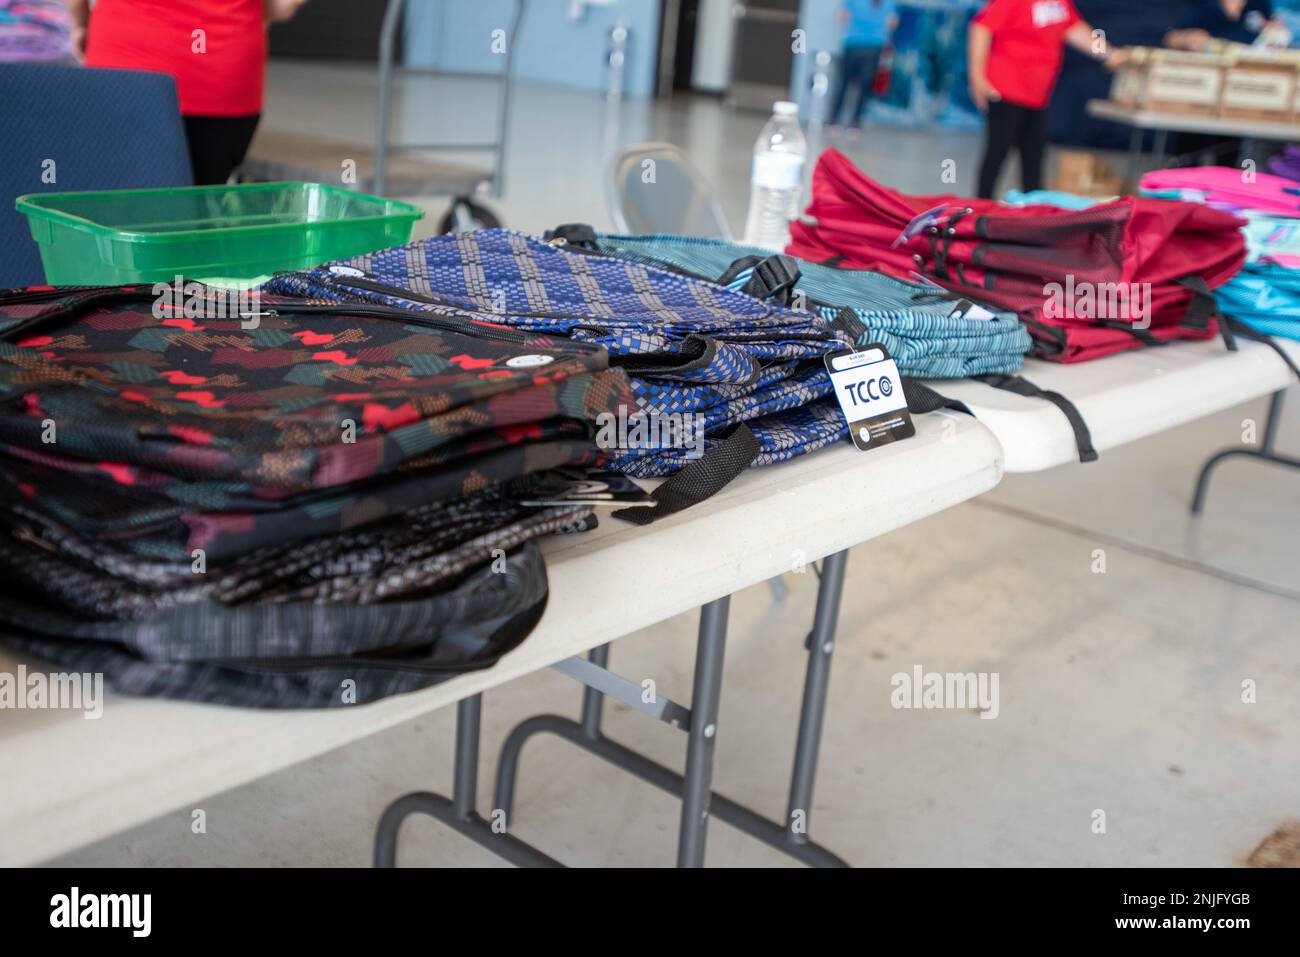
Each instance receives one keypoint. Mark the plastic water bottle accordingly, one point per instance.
(776, 179)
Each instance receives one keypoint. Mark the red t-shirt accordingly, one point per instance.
(1028, 36)
(219, 71)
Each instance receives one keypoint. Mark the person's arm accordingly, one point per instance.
(1233, 9)
(79, 15)
(1079, 36)
(1188, 38)
(979, 42)
(277, 11)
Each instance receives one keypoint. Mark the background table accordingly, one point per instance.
(1164, 123)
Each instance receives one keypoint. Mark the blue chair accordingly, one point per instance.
(84, 129)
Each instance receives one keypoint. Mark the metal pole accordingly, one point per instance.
(1274, 419)
(464, 792)
(1134, 157)
(503, 116)
(387, 39)
(821, 643)
(698, 783)
(593, 700)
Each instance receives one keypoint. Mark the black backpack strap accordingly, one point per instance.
(700, 478)
(847, 321)
(773, 277)
(1022, 386)
(921, 398)
(1246, 332)
(574, 234)
(1202, 307)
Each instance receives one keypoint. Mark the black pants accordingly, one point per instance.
(1010, 124)
(217, 145)
(858, 70)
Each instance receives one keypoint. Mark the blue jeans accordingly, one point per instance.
(857, 68)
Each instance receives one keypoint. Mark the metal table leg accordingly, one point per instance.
(1134, 157)
(789, 837)
(821, 643)
(458, 813)
(696, 789)
(1265, 453)
(1158, 147)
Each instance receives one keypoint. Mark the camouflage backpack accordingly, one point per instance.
(279, 503)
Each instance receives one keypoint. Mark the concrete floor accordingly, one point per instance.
(1120, 692)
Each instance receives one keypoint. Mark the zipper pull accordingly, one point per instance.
(253, 319)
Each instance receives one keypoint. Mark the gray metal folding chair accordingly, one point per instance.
(656, 189)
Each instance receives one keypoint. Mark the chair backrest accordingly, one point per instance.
(679, 200)
(73, 128)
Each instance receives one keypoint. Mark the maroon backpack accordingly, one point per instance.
(1087, 283)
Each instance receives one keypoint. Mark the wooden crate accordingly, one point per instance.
(1086, 173)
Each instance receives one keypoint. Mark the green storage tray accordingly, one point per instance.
(239, 232)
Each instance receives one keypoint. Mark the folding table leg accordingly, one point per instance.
(791, 836)
(821, 643)
(458, 813)
(593, 702)
(696, 789)
(1265, 452)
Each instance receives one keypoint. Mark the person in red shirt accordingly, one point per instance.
(216, 51)
(1015, 52)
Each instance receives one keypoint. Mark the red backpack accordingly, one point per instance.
(1087, 283)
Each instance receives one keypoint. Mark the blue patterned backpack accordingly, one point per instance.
(748, 372)
(931, 332)
(915, 321)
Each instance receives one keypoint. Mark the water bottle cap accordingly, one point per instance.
(785, 108)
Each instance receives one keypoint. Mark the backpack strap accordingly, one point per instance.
(1022, 386)
(921, 398)
(848, 322)
(1202, 307)
(772, 277)
(573, 234)
(1246, 332)
(700, 479)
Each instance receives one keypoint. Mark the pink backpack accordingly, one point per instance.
(1229, 188)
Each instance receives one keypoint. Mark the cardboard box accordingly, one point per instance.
(1086, 173)
(1169, 81)
(1258, 91)
(1231, 80)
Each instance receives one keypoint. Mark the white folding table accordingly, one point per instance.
(69, 781)
(1126, 397)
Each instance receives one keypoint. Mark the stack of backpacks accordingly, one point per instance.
(1088, 283)
(298, 504)
(334, 494)
(923, 325)
(1265, 295)
(749, 371)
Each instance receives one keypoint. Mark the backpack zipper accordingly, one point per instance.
(399, 292)
(91, 297)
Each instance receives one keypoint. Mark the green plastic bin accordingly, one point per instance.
(240, 232)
